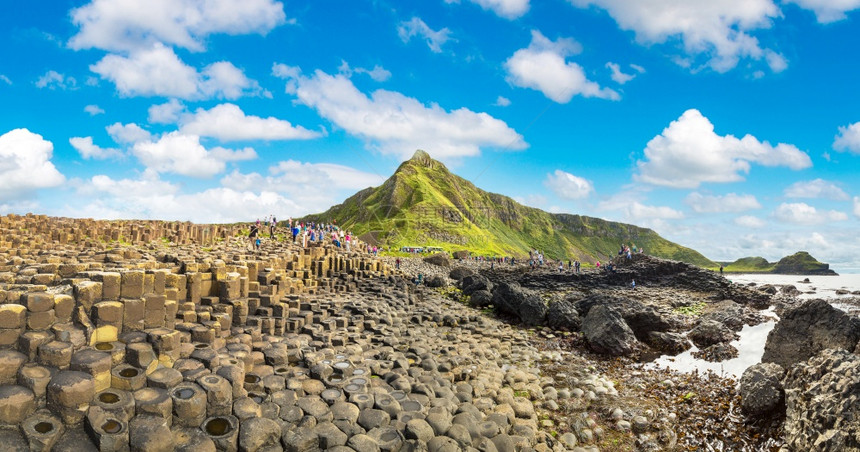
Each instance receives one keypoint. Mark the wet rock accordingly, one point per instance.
(720, 351)
(761, 389)
(709, 332)
(807, 329)
(607, 333)
(668, 343)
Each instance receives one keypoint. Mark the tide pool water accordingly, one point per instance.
(750, 345)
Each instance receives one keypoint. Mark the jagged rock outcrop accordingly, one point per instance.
(807, 329)
(822, 398)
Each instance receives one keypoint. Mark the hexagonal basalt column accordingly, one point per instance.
(127, 378)
(69, 394)
(42, 431)
(219, 394)
(154, 402)
(189, 404)
(95, 363)
(16, 403)
(224, 431)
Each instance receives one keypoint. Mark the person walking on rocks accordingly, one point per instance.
(253, 234)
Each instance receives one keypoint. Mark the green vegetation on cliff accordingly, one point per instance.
(800, 263)
(424, 204)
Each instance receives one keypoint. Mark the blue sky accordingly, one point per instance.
(730, 126)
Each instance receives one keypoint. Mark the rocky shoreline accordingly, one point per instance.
(195, 342)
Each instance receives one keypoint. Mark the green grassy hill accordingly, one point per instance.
(800, 263)
(424, 204)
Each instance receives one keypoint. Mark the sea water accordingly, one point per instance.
(751, 342)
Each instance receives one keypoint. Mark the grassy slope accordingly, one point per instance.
(424, 204)
(798, 263)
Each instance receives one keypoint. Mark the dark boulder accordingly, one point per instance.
(562, 315)
(709, 332)
(807, 329)
(473, 283)
(480, 299)
(607, 333)
(458, 273)
(510, 298)
(761, 390)
(641, 318)
(435, 281)
(532, 310)
(440, 259)
(668, 343)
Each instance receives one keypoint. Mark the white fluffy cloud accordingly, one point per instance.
(25, 164)
(166, 113)
(127, 133)
(542, 66)
(720, 204)
(749, 221)
(848, 139)
(122, 25)
(94, 110)
(290, 189)
(55, 80)
(857, 206)
(88, 150)
(818, 188)
(5, 79)
(416, 27)
(804, 214)
(508, 9)
(183, 154)
(378, 73)
(502, 101)
(227, 122)
(152, 198)
(827, 11)
(717, 30)
(157, 71)
(568, 186)
(689, 153)
(294, 176)
(639, 211)
(397, 124)
(618, 76)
